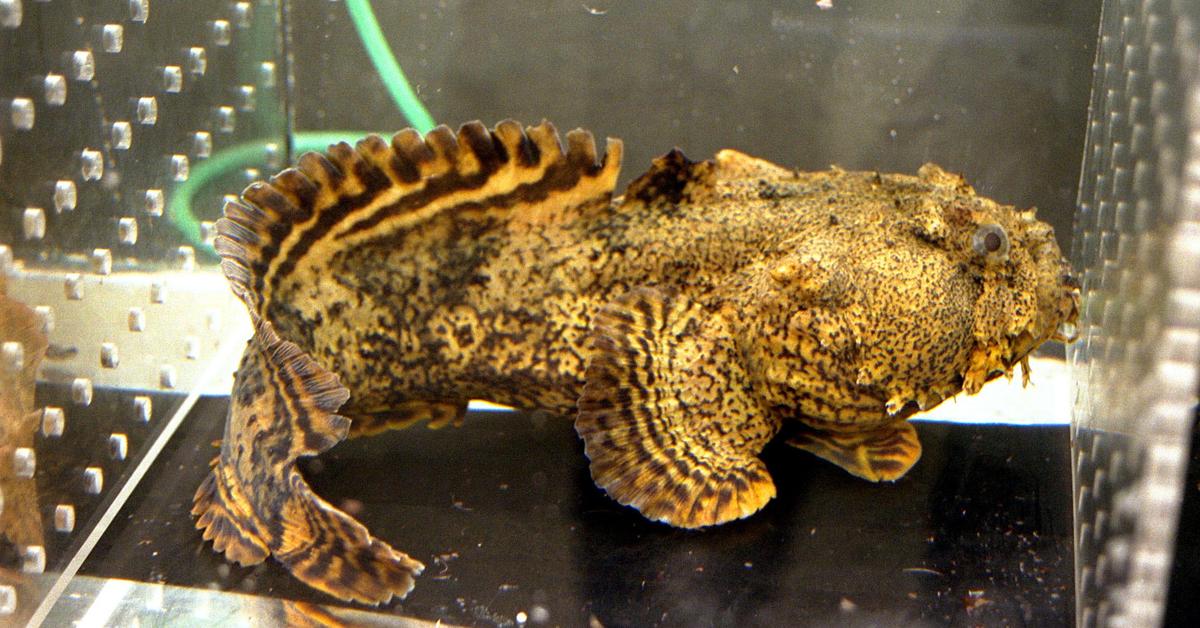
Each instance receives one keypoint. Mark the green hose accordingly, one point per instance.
(236, 157)
(179, 206)
(386, 66)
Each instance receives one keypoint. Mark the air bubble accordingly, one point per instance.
(127, 230)
(22, 114)
(65, 196)
(147, 110)
(122, 135)
(91, 164)
(153, 202)
(83, 65)
(64, 518)
(112, 37)
(33, 223)
(172, 79)
(54, 422)
(93, 480)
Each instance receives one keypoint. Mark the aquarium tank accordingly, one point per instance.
(127, 127)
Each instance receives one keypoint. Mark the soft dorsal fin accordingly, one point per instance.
(673, 179)
(350, 194)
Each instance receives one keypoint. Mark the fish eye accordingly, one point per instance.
(991, 241)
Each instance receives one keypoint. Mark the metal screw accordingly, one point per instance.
(113, 38)
(64, 518)
(22, 114)
(12, 355)
(137, 319)
(91, 164)
(139, 10)
(24, 462)
(127, 230)
(54, 421)
(202, 144)
(83, 65)
(109, 357)
(147, 110)
(142, 408)
(122, 135)
(154, 202)
(197, 60)
(73, 287)
(102, 261)
(33, 559)
(81, 391)
(10, 13)
(118, 446)
(45, 316)
(221, 34)
(65, 196)
(33, 222)
(54, 89)
(179, 167)
(172, 79)
(93, 480)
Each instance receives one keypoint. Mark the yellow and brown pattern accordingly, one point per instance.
(21, 332)
(715, 305)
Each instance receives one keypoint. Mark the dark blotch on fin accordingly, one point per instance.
(668, 178)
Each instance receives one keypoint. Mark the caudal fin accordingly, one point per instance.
(255, 503)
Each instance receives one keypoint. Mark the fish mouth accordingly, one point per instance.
(1065, 330)
(1060, 327)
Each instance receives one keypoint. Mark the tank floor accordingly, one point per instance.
(505, 517)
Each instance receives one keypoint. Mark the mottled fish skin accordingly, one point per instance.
(20, 510)
(685, 324)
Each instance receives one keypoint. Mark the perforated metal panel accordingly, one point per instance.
(123, 124)
(1137, 241)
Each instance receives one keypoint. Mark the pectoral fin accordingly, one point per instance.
(886, 453)
(666, 415)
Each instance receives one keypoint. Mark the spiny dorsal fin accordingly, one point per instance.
(351, 194)
(671, 179)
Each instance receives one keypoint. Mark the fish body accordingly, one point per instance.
(24, 346)
(714, 306)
